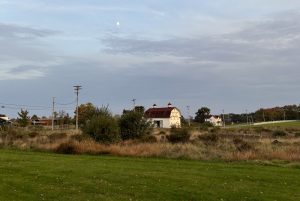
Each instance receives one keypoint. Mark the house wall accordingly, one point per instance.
(175, 118)
(166, 121)
(214, 121)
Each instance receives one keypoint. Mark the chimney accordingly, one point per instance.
(154, 106)
(169, 105)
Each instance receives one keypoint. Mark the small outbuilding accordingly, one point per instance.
(164, 117)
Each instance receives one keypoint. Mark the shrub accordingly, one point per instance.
(179, 135)
(208, 124)
(297, 134)
(241, 145)
(133, 125)
(102, 127)
(80, 137)
(208, 138)
(148, 139)
(215, 129)
(276, 142)
(66, 148)
(162, 133)
(57, 136)
(33, 134)
(203, 128)
(279, 133)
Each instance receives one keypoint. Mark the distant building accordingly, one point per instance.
(164, 117)
(214, 119)
(5, 121)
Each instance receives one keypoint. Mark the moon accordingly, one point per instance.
(118, 23)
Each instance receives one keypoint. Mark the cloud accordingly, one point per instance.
(274, 39)
(10, 31)
(21, 45)
(22, 69)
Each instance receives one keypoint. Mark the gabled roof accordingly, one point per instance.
(164, 112)
(209, 116)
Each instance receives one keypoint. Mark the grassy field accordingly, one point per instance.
(27, 175)
(286, 124)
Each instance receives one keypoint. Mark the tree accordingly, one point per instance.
(34, 117)
(44, 117)
(200, 115)
(134, 125)
(24, 119)
(85, 112)
(102, 127)
(182, 120)
(140, 109)
(2, 115)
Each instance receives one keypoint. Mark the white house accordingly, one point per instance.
(214, 119)
(164, 117)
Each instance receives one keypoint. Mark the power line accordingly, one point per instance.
(65, 104)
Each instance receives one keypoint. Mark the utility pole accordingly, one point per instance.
(188, 107)
(223, 119)
(77, 88)
(53, 114)
(247, 116)
(133, 104)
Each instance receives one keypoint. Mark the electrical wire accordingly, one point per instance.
(65, 104)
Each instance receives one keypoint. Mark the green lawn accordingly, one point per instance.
(29, 175)
(286, 124)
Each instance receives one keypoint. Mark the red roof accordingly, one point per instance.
(159, 112)
(209, 116)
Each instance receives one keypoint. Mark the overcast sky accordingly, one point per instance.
(233, 55)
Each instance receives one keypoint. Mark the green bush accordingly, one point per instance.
(80, 137)
(162, 133)
(208, 124)
(66, 148)
(179, 135)
(133, 125)
(241, 145)
(148, 139)
(297, 134)
(203, 128)
(33, 134)
(279, 133)
(276, 142)
(215, 129)
(209, 139)
(57, 136)
(102, 128)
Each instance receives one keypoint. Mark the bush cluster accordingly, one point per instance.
(297, 134)
(57, 136)
(133, 125)
(241, 145)
(179, 135)
(148, 139)
(215, 129)
(208, 124)
(203, 128)
(80, 137)
(279, 133)
(209, 137)
(33, 134)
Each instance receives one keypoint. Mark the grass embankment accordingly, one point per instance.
(31, 176)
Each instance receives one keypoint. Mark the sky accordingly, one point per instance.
(225, 55)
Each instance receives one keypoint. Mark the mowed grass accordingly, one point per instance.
(27, 175)
(285, 124)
